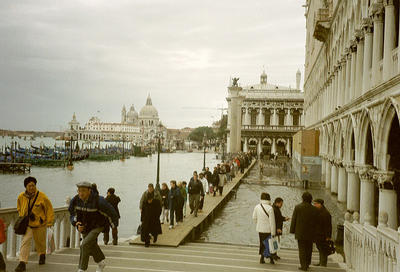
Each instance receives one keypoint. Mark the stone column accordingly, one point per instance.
(343, 87)
(353, 70)
(377, 17)
(390, 39)
(367, 27)
(359, 65)
(259, 146)
(367, 194)
(348, 78)
(342, 186)
(301, 117)
(353, 189)
(235, 117)
(387, 197)
(328, 175)
(273, 147)
(274, 117)
(245, 145)
(247, 117)
(260, 117)
(339, 85)
(323, 169)
(334, 179)
(288, 147)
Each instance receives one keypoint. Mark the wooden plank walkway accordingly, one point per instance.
(192, 226)
(14, 167)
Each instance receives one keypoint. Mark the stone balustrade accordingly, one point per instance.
(271, 128)
(368, 248)
(64, 234)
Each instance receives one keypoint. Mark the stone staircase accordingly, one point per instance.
(187, 257)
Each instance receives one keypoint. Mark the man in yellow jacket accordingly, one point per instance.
(41, 217)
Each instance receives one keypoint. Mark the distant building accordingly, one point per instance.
(264, 117)
(139, 128)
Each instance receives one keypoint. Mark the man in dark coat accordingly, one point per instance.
(195, 190)
(303, 226)
(150, 217)
(215, 180)
(279, 219)
(323, 231)
(174, 200)
(114, 200)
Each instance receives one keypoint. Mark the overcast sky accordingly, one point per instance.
(93, 56)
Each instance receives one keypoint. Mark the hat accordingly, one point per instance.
(320, 201)
(29, 180)
(84, 184)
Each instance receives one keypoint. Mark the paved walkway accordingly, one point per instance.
(177, 236)
(202, 257)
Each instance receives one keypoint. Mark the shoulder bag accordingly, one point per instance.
(22, 222)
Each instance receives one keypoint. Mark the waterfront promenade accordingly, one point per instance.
(192, 226)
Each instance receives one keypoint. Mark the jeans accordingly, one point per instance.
(172, 213)
(165, 214)
(89, 247)
(194, 202)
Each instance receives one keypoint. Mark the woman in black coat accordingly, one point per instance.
(151, 211)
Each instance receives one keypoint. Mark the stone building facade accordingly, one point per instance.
(264, 117)
(139, 128)
(352, 96)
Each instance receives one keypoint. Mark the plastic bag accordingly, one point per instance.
(51, 246)
(271, 245)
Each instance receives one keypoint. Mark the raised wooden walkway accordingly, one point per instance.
(14, 167)
(196, 257)
(192, 226)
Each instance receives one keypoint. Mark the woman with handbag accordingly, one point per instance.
(37, 210)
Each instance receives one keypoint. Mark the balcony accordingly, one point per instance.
(271, 128)
(322, 24)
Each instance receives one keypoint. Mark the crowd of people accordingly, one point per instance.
(310, 224)
(168, 205)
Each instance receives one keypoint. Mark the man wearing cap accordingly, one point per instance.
(40, 217)
(323, 231)
(89, 214)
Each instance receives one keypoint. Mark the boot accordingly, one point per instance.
(21, 267)
(262, 261)
(42, 259)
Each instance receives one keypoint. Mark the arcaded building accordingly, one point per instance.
(352, 96)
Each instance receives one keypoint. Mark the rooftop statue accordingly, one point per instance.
(235, 81)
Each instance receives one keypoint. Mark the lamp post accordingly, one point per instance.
(158, 157)
(223, 148)
(204, 153)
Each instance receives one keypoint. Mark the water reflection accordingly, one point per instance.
(234, 223)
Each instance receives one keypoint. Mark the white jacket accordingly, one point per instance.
(204, 181)
(264, 223)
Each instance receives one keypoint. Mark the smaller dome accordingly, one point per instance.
(132, 113)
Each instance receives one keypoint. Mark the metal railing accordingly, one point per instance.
(368, 248)
(65, 236)
(272, 128)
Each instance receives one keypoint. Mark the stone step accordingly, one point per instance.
(191, 257)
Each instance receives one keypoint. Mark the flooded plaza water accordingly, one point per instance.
(234, 223)
(129, 178)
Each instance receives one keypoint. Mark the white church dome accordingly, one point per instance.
(148, 111)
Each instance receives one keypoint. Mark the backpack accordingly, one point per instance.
(2, 231)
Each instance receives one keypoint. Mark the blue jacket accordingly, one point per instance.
(95, 212)
(175, 198)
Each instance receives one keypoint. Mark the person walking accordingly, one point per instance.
(279, 219)
(323, 231)
(150, 218)
(215, 180)
(41, 216)
(184, 192)
(150, 189)
(221, 181)
(173, 200)
(303, 226)
(114, 200)
(179, 209)
(195, 190)
(204, 182)
(264, 217)
(2, 240)
(164, 203)
(89, 213)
